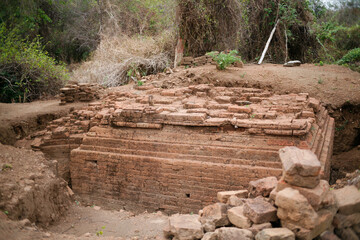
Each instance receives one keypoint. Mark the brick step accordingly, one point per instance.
(177, 134)
(239, 152)
(163, 183)
(227, 160)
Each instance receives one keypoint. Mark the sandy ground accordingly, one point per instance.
(82, 220)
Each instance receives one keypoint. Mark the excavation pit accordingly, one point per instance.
(174, 149)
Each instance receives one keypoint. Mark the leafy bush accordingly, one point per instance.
(351, 60)
(224, 60)
(351, 57)
(70, 29)
(26, 70)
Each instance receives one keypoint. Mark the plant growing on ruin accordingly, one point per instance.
(6, 166)
(100, 232)
(223, 60)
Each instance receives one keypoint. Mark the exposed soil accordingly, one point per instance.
(18, 120)
(87, 223)
(337, 87)
(334, 85)
(30, 192)
(29, 188)
(123, 224)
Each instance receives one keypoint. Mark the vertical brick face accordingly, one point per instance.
(176, 169)
(157, 183)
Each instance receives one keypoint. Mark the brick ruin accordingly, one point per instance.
(74, 92)
(174, 149)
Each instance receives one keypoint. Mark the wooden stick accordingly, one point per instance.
(286, 45)
(268, 42)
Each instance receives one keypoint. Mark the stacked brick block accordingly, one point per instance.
(173, 149)
(198, 61)
(84, 92)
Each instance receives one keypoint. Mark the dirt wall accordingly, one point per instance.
(29, 189)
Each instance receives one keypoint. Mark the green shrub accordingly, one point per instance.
(351, 59)
(26, 70)
(224, 60)
(352, 56)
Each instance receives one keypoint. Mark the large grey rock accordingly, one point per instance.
(223, 197)
(256, 228)
(275, 234)
(236, 217)
(214, 215)
(294, 63)
(259, 211)
(348, 199)
(300, 167)
(262, 187)
(232, 233)
(184, 227)
(294, 208)
(323, 223)
(235, 201)
(315, 196)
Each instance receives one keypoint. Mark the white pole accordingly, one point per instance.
(268, 42)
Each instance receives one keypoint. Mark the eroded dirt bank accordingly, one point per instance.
(18, 120)
(29, 189)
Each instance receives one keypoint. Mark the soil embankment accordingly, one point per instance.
(18, 120)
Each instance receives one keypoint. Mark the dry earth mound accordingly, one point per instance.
(29, 189)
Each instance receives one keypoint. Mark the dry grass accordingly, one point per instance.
(116, 55)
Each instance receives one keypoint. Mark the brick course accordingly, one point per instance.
(174, 149)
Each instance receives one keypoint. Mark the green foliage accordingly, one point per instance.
(351, 59)
(261, 16)
(7, 166)
(352, 56)
(100, 232)
(210, 24)
(26, 70)
(140, 83)
(145, 16)
(69, 30)
(326, 31)
(317, 7)
(337, 30)
(224, 60)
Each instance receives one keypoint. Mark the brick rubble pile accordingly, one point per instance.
(74, 92)
(198, 61)
(298, 206)
(203, 60)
